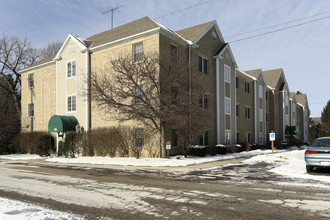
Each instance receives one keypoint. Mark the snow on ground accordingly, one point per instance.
(12, 209)
(160, 162)
(290, 164)
(21, 157)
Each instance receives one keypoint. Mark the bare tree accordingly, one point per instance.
(15, 55)
(50, 50)
(153, 92)
(9, 119)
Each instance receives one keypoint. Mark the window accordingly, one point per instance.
(261, 138)
(236, 82)
(247, 113)
(138, 137)
(203, 101)
(266, 95)
(174, 53)
(261, 92)
(247, 87)
(247, 137)
(31, 80)
(71, 68)
(174, 96)
(71, 101)
(138, 95)
(174, 139)
(137, 52)
(237, 110)
(227, 105)
(227, 73)
(260, 103)
(204, 139)
(202, 65)
(31, 110)
(266, 116)
(261, 114)
(227, 137)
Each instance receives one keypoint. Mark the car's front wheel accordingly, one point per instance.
(309, 168)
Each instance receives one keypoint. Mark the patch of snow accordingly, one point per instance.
(21, 157)
(12, 209)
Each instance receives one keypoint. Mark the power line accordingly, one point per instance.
(276, 25)
(270, 32)
(180, 10)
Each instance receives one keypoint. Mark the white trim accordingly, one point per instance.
(57, 88)
(235, 118)
(246, 75)
(86, 77)
(256, 124)
(218, 98)
(228, 130)
(213, 24)
(74, 38)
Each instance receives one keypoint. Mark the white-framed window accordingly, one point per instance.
(261, 114)
(138, 95)
(31, 80)
(71, 69)
(31, 110)
(237, 110)
(261, 91)
(227, 137)
(247, 113)
(138, 137)
(203, 101)
(227, 73)
(71, 103)
(174, 53)
(227, 106)
(138, 52)
(202, 65)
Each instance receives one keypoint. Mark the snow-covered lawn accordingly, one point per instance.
(290, 164)
(12, 209)
(160, 162)
(148, 162)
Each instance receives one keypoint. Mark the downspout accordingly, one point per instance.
(189, 73)
(218, 98)
(256, 124)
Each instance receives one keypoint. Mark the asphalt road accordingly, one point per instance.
(226, 192)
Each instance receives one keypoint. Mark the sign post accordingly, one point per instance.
(168, 148)
(272, 139)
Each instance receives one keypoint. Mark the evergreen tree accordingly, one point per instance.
(325, 117)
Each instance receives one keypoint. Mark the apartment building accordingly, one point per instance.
(242, 106)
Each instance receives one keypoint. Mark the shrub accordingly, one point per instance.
(27, 142)
(45, 145)
(69, 147)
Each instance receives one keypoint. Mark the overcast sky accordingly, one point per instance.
(302, 51)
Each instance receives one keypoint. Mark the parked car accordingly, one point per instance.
(318, 154)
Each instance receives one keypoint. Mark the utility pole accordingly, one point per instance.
(112, 10)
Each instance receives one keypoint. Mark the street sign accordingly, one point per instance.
(168, 145)
(272, 136)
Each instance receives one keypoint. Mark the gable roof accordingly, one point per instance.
(243, 73)
(272, 77)
(254, 73)
(301, 99)
(221, 51)
(129, 29)
(192, 33)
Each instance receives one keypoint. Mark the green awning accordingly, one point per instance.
(62, 123)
